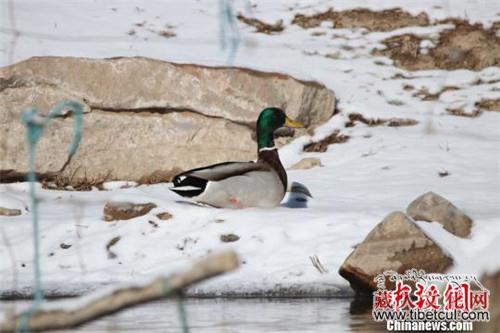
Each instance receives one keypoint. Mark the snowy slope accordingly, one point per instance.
(379, 170)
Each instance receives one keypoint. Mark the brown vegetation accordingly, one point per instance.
(159, 176)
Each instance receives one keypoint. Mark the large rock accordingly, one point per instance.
(396, 244)
(433, 207)
(492, 283)
(143, 115)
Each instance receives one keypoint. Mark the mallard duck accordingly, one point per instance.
(242, 184)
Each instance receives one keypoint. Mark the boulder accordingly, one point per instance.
(143, 116)
(396, 244)
(121, 210)
(492, 283)
(432, 207)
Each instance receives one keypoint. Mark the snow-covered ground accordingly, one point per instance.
(379, 170)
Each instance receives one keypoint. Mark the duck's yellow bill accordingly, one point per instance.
(293, 123)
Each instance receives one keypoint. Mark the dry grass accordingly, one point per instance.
(318, 265)
(57, 180)
(71, 183)
(159, 176)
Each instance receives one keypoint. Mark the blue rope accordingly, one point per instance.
(228, 30)
(34, 126)
(182, 314)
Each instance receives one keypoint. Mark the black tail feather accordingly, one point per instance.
(197, 185)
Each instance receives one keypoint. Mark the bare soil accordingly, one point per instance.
(425, 95)
(461, 113)
(465, 46)
(488, 105)
(164, 216)
(392, 122)
(385, 20)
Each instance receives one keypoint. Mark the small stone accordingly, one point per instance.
(443, 173)
(396, 244)
(164, 216)
(306, 163)
(432, 207)
(65, 246)
(125, 210)
(9, 211)
(229, 238)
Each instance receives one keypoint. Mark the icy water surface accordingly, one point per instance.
(243, 315)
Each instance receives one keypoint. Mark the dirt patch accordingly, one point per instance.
(385, 20)
(355, 117)
(262, 27)
(399, 122)
(164, 216)
(392, 122)
(166, 33)
(425, 95)
(461, 113)
(465, 46)
(488, 105)
(322, 145)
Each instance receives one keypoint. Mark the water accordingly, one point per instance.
(243, 315)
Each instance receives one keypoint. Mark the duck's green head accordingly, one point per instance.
(270, 119)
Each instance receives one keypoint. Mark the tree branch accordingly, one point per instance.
(43, 320)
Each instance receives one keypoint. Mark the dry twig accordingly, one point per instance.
(43, 320)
